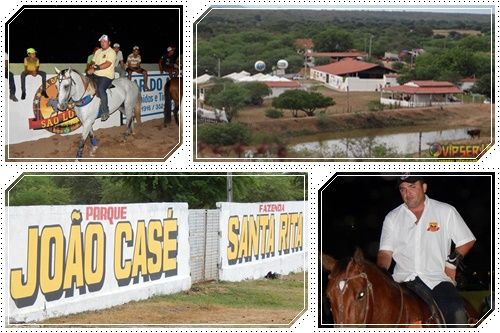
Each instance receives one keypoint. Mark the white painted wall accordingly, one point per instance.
(252, 265)
(111, 293)
(19, 112)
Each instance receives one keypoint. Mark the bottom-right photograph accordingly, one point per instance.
(406, 250)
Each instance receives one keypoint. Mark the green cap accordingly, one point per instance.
(30, 50)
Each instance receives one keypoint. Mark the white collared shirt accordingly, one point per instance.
(422, 249)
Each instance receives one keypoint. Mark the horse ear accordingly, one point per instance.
(328, 262)
(57, 70)
(358, 256)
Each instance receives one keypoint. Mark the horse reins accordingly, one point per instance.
(370, 295)
(85, 85)
(369, 291)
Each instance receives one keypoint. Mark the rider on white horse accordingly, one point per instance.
(104, 73)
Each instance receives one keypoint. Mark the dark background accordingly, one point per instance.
(62, 34)
(353, 210)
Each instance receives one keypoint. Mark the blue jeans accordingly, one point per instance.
(102, 84)
(12, 84)
(23, 80)
(447, 298)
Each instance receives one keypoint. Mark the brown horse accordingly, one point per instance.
(173, 95)
(362, 295)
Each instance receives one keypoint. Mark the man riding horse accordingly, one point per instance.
(169, 63)
(104, 73)
(418, 236)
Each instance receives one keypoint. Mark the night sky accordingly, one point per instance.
(69, 34)
(354, 208)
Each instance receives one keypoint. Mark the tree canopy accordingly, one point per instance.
(300, 100)
(199, 191)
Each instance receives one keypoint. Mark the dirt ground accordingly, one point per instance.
(187, 309)
(151, 141)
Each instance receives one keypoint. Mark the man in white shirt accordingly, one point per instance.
(418, 235)
(119, 64)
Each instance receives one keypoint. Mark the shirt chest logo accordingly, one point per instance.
(433, 226)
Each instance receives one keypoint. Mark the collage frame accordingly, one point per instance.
(188, 156)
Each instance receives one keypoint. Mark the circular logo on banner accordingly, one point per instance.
(46, 114)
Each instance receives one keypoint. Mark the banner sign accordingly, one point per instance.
(258, 238)
(67, 259)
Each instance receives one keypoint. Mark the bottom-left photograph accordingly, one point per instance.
(168, 249)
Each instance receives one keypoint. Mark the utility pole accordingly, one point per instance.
(370, 47)
(218, 68)
(229, 187)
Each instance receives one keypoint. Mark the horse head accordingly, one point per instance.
(349, 289)
(65, 82)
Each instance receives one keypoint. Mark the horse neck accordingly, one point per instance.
(386, 297)
(79, 86)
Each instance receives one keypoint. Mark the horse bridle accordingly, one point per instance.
(343, 289)
(369, 288)
(71, 85)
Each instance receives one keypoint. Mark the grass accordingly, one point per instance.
(277, 294)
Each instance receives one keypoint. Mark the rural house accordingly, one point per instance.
(421, 93)
(354, 75)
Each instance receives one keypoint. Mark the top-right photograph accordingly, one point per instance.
(316, 84)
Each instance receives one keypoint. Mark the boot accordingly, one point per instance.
(105, 116)
(23, 95)
(13, 98)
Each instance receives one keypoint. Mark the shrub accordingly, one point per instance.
(322, 121)
(375, 106)
(224, 134)
(273, 113)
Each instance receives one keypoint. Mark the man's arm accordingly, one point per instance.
(384, 259)
(462, 250)
(465, 248)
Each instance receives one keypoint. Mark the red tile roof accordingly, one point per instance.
(346, 66)
(469, 79)
(348, 54)
(426, 87)
(304, 43)
(282, 84)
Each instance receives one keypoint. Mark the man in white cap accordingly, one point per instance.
(104, 72)
(119, 64)
(134, 61)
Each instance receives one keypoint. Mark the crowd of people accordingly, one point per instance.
(102, 65)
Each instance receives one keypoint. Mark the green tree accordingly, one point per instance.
(483, 86)
(38, 190)
(333, 40)
(231, 98)
(256, 92)
(300, 100)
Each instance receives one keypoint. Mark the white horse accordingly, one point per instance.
(73, 87)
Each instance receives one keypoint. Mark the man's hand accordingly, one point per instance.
(90, 71)
(451, 273)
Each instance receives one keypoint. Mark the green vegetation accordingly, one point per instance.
(375, 106)
(224, 134)
(233, 96)
(273, 294)
(197, 191)
(273, 113)
(237, 36)
(300, 100)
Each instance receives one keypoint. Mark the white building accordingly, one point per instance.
(421, 94)
(354, 75)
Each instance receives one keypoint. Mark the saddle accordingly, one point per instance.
(432, 313)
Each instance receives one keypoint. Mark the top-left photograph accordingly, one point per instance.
(93, 83)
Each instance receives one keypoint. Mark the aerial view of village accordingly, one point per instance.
(343, 84)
